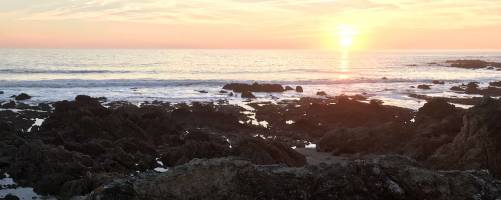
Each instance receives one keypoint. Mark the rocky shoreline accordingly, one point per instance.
(342, 147)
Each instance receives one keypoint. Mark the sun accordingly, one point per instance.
(346, 35)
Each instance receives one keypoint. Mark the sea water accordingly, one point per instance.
(178, 75)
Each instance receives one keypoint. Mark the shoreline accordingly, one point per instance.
(344, 129)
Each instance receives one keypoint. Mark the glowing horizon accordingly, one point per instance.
(338, 24)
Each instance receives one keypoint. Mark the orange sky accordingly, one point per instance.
(381, 24)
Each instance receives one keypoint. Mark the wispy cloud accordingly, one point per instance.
(278, 18)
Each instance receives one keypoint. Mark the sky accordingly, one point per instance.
(268, 24)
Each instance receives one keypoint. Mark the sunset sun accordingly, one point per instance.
(346, 35)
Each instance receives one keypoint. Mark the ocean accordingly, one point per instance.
(178, 75)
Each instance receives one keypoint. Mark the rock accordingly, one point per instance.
(223, 92)
(10, 105)
(384, 78)
(424, 87)
(299, 89)
(263, 152)
(22, 96)
(473, 88)
(388, 177)
(288, 88)
(1, 92)
(476, 145)
(495, 84)
(472, 64)
(464, 101)
(195, 145)
(435, 109)
(456, 88)
(202, 91)
(256, 87)
(247, 94)
(321, 93)
(438, 82)
(10, 197)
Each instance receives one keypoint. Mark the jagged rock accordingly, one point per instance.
(495, 84)
(424, 87)
(247, 94)
(10, 105)
(321, 93)
(22, 96)
(299, 89)
(472, 64)
(476, 145)
(255, 87)
(263, 152)
(1, 92)
(456, 88)
(10, 197)
(288, 88)
(388, 177)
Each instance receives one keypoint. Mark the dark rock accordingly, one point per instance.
(10, 197)
(438, 82)
(22, 96)
(1, 92)
(472, 64)
(389, 177)
(473, 88)
(464, 101)
(195, 145)
(456, 88)
(247, 94)
(495, 84)
(321, 93)
(10, 105)
(263, 152)
(256, 87)
(476, 145)
(424, 87)
(384, 78)
(202, 91)
(288, 88)
(223, 91)
(299, 89)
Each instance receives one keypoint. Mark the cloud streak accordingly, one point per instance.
(279, 19)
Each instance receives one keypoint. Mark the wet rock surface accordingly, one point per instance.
(387, 177)
(255, 87)
(473, 64)
(22, 96)
(113, 151)
(474, 88)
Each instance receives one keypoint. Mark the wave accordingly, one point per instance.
(145, 83)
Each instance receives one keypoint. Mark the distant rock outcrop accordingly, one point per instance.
(473, 64)
(255, 87)
(22, 96)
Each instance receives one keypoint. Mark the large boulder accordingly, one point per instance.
(388, 177)
(255, 87)
(472, 64)
(477, 144)
(262, 152)
(22, 96)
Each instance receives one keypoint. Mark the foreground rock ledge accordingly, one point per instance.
(385, 177)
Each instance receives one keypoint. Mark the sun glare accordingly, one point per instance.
(346, 34)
